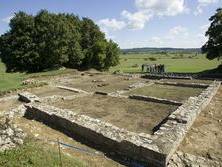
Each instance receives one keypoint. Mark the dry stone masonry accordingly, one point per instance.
(155, 150)
(192, 85)
(155, 99)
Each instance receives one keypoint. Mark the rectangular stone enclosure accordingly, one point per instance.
(125, 126)
(133, 115)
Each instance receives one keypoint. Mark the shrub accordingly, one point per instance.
(152, 59)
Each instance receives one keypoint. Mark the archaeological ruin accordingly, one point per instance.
(142, 119)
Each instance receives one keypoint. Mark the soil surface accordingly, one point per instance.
(50, 91)
(106, 83)
(167, 92)
(9, 104)
(205, 136)
(133, 115)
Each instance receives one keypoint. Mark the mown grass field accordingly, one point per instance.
(173, 62)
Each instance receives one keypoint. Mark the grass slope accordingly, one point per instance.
(10, 81)
(173, 62)
(34, 154)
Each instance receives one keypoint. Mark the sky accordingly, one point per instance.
(131, 23)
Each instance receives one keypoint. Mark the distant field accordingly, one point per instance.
(173, 62)
(128, 63)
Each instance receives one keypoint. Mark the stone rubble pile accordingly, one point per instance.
(10, 135)
(180, 159)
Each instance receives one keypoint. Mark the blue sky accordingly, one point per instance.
(131, 23)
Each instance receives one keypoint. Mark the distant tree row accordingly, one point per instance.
(47, 40)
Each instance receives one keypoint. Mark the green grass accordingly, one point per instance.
(34, 154)
(128, 63)
(173, 62)
(9, 81)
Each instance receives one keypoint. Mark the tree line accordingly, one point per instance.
(48, 40)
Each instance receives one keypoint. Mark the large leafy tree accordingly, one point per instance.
(47, 40)
(213, 47)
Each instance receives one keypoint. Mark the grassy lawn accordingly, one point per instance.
(10, 81)
(173, 62)
(34, 154)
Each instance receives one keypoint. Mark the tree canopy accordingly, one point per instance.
(48, 40)
(213, 47)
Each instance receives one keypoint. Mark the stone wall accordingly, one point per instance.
(155, 99)
(155, 150)
(173, 131)
(167, 76)
(191, 85)
(138, 147)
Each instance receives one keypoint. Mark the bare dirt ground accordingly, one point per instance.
(167, 92)
(98, 82)
(9, 104)
(133, 115)
(205, 136)
(50, 91)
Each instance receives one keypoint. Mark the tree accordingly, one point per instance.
(112, 52)
(48, 40)
(213, 47)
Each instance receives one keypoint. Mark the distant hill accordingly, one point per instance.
(161, 50)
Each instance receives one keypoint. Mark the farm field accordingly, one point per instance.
(190, 63)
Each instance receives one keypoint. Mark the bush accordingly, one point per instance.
(152, 59)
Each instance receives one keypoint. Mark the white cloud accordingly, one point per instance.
(147, 9)
(202, 4)
(136, 20)
(111, 24)
(7, 19)
(156, 40)
(178, 31)
(201, 36)
(162, 7)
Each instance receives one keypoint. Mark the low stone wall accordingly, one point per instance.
(191, 85)
(138, 147)
(71, 89)
(167, 76)
(173, 131)
(28, 97)
(155, 99)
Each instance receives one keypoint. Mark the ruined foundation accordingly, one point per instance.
(154, 150)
